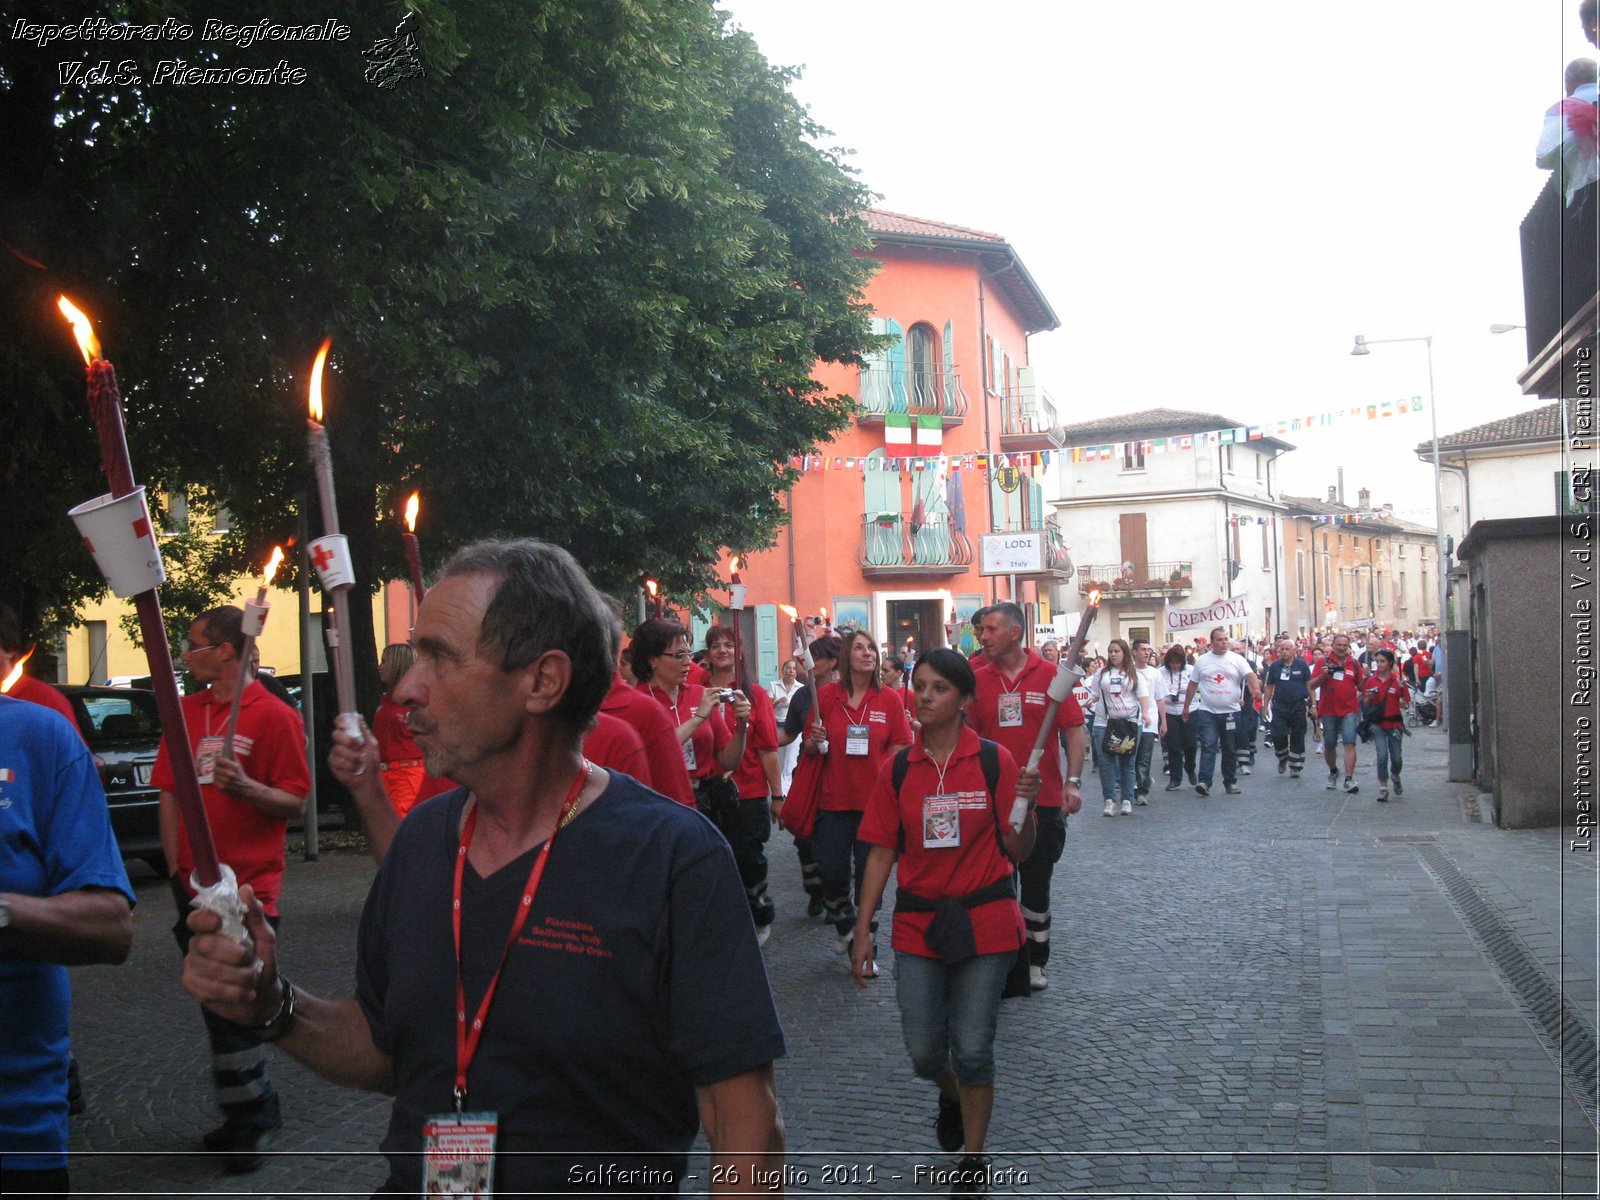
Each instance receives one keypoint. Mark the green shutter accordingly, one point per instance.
(767, 657)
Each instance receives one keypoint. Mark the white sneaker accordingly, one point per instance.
(1111, 808)
(1351, 786)
(1127, 808)
(841, 943)
(1333, 780)
(763, 932)
(1036, 979)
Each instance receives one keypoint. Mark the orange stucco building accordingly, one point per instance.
(887, 522)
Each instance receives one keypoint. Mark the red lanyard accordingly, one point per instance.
(467, 1041)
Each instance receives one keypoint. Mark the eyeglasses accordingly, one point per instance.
(197, 649)
(681, 656)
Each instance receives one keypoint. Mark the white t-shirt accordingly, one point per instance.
(1113, 695)
(1220, 681)
(1151, 686)
(1171, 687)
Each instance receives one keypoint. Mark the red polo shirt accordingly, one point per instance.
(614, 745)
(271, 747)
(1338, 687)
(36, 691)
(1029, 687)
(709, 738)
(750, 776)
(665, 771)
(929, 865)
(849, 778)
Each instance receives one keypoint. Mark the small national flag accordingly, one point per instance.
(7, 775)
(1386, 409)
(1416, 404)
(897, 429)
(1226, 436)
(1372, 412)
(1186, 442)
(1254, 433)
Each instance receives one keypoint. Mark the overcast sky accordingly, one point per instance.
(1216, 197)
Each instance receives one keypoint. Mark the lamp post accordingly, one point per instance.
(1438, 476)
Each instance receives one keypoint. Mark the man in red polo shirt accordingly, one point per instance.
(250, 798)
(1010, 709)
(35, 691)
(1337, 684)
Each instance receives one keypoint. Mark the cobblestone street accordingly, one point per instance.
(1289, 991)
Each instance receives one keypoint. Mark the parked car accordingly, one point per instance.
(123, 728)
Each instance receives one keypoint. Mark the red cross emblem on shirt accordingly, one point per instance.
(1219, 678)
(321, 557)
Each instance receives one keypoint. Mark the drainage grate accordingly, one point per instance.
(1566, 1037)
(1409, 839)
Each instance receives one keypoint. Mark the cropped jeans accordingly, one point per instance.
(948, 1013)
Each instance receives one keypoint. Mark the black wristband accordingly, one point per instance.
(275, 1026)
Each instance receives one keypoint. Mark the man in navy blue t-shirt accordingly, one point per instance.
(558, 978)
(1287, 693)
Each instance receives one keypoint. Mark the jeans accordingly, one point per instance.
(1036, 872)
(238, 1057)
(833, 842)
(948, 1014)
(1213, 731)
(1118, 772)
(1179, 746)
(1387, 742)
(1143, 755)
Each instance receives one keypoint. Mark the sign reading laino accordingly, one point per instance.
(1018, 553)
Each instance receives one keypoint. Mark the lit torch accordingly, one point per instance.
(654, 589)
(330, 555)
(413, 553)
(15, 674)
(1066, 678)
(737, 593)
(793, 614)
(255, 620)
(117, 529)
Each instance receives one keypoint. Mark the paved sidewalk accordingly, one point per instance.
(1292, 990)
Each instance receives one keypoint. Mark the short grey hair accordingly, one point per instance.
(1011, 611)
(543, 601)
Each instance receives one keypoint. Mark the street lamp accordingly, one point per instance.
(1438, 486)
(1499, 328)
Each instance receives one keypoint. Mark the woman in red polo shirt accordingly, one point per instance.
(660, 656)
(957, 923)
(399, 758)
(862, 726)
(748, 824)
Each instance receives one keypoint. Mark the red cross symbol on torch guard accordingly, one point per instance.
(321, 557)
(141, 528)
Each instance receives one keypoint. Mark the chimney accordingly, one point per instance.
(1333, 494)
(1341, 485)
(1364, 499)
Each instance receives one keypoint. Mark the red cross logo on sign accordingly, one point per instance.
(321, 557)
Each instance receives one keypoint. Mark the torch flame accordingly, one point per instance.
(650, 586)
(411, 511)
(1094, 597)
(824, 612)
(88, 344)
(789, 611)
(10, 681)
(272, 565)
(316, 381)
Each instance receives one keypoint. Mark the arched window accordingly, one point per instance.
(922, 362)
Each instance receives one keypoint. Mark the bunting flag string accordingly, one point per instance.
(898, 441)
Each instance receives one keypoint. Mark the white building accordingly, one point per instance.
(1171, 518)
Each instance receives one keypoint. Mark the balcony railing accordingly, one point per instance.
(890, 546)
(1558, 283)
(915, 390)
(1028, 419)
(1138, 579)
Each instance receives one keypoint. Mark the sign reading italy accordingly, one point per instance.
(1235, 611)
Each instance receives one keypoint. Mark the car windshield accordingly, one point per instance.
(127, 714)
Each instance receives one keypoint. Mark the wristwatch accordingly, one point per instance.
(1075, 780)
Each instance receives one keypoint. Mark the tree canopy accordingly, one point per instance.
(577, 276)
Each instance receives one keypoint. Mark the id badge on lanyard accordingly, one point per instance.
(690, 760)
(1010, 710)
(941, 822)
(458, 1154)
(856, 740)
(205, 757)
